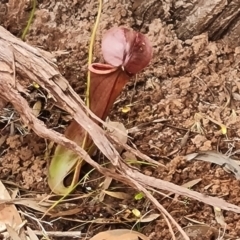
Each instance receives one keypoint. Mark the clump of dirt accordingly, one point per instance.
(23, 162)
(189, 85)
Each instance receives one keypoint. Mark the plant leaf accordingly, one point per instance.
(139, 196)
(217, 158)
(129, 52)
(136, 213)
(129, 49)
(125, 109)
(37, 107)
(198, 232)
(107, 83)
(149, 218)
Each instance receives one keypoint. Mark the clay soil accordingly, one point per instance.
(185, 80)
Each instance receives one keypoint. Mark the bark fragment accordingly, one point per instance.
(219, 18)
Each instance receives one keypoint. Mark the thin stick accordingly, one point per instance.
(73, 234)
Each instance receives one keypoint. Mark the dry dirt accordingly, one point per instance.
(184, 79)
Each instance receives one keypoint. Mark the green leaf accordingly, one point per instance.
(139, 196)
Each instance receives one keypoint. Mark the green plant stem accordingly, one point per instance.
(34, 3)
(90, 52)
(87, 101)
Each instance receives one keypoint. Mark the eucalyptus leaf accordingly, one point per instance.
(217, 158)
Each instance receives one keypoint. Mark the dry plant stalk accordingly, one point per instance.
(36, 65)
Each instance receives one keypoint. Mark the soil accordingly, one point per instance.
(187, 85)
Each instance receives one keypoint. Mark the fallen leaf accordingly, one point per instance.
(119, 195)
(136, 4)
(37, 107)
(125, 109)
(197, 232)
(217, 158)
(9, 215)
(149, 218)
(185, 139)
(186, 185)
(193, 220)
(69, 212)
(35, 85)
(236, 96)
(136, 213)
(191, 183)
(3, 103)
(139, 196)
(120, 234)
(33, 204)
(3, 139)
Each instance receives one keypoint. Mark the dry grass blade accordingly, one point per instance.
(31, 234)
(33, 204)
(107, 182)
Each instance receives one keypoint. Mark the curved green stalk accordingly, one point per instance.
(90, 52)
(87, 101)
(65, 160)
(34, 3)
